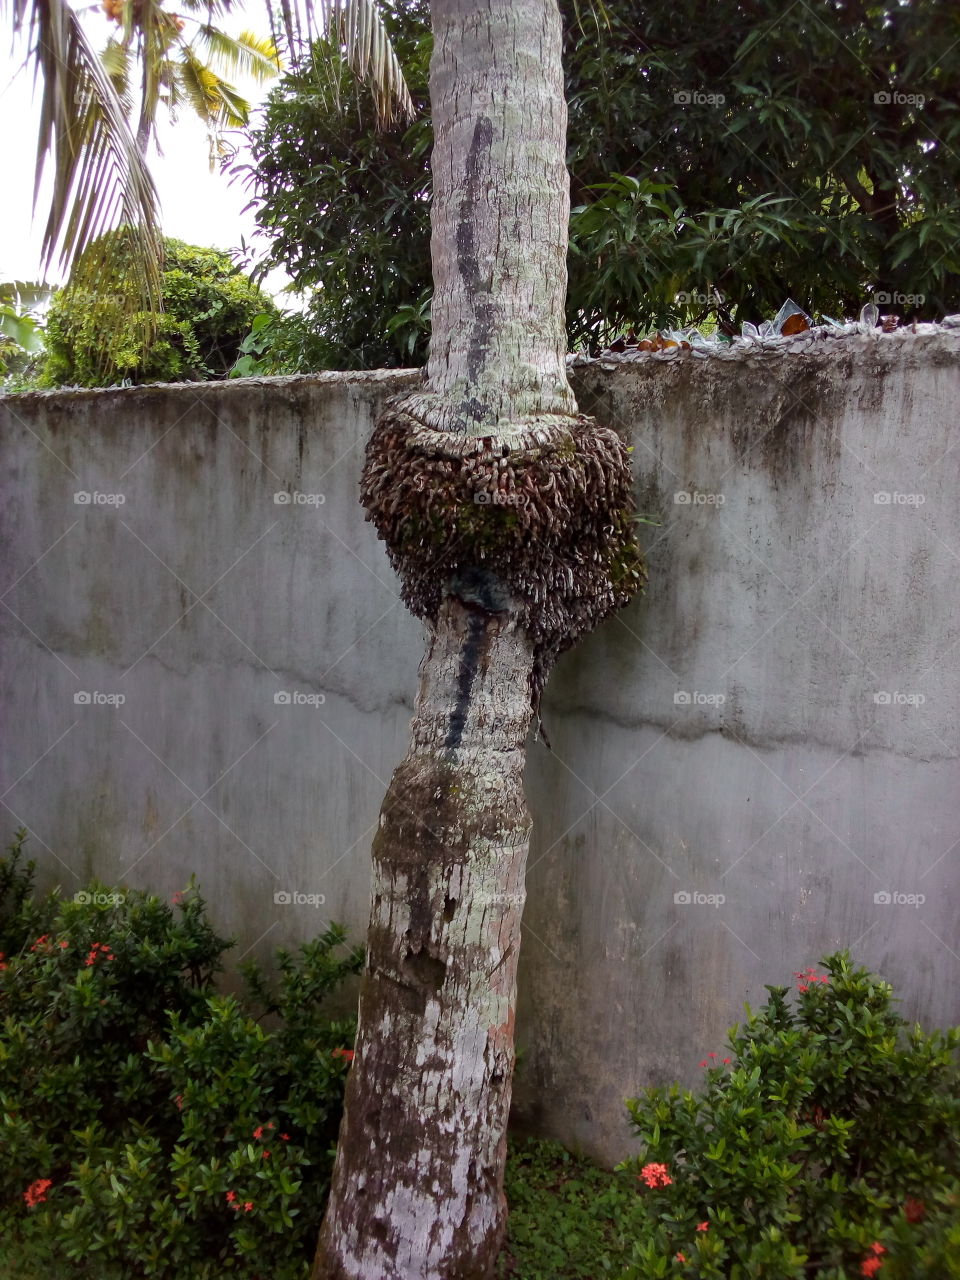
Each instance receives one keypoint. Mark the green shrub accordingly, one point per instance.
(151, 1127)
(93, 339)
(826, 1145)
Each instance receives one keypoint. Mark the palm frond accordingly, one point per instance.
(100, 179)
(197, 81)
(246, 54)
(357, 26)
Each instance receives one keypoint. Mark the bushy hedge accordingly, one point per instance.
(155, 1130)
(93, 339)
(151, 1127)
(825, 1146)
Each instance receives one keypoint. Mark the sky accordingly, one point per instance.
(198, 206)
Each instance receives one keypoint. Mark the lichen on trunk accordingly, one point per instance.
(509, 519)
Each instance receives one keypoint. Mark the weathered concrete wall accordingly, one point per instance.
(687, 849)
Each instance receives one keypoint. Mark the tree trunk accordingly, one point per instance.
(508, 517)
(417, 1190)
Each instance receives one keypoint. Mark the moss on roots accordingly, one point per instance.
(548, 511)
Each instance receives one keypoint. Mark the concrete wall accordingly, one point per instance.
(741, 761)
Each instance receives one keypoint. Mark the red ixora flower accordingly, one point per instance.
(178, 898)
(44, 937)
(681, 1257)
(37, 1191)
(343, 1053)
(231, 1196)
(248, 1206)
(870, 1266)
(99, 948)
(702, 1226)
(655, 1175)
(808, 978)
(284, 1137)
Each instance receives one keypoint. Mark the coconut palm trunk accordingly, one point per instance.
(508, 517)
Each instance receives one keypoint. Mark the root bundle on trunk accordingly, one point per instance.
(545, 511)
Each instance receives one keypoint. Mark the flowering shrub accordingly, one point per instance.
(825, 1147)
(150, 1126)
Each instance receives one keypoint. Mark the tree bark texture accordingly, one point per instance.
(501, 204)
(417, 1191)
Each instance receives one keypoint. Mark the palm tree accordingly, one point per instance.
(178, 69)
(509, 519)
(100, 177)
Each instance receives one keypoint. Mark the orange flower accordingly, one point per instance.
(37, 1191)
(655, 1175)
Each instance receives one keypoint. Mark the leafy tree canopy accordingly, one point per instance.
(741, 148)
(92, 339)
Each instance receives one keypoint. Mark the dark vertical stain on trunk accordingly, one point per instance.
(473, 647)
(467, 262)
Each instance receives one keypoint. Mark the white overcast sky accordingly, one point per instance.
(196, 205)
